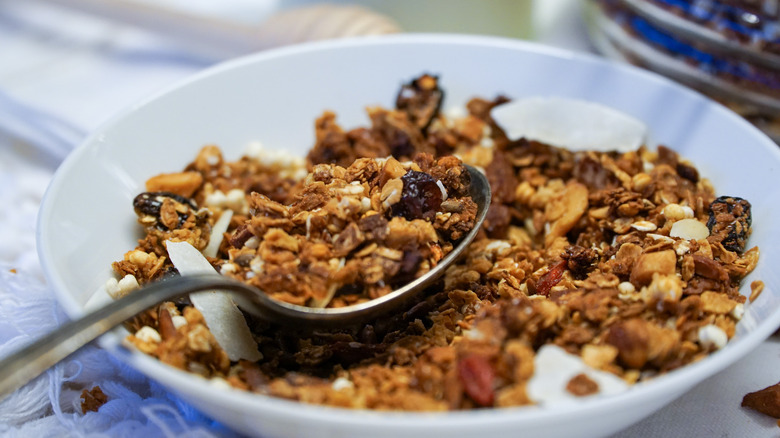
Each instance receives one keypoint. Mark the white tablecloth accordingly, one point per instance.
(80, 70)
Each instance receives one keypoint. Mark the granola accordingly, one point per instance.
(621, 266)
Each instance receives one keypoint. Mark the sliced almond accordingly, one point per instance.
(689, 229)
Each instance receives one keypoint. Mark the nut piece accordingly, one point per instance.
(676, 212)
(582, 385)
(181, 183)
(766, 401)
(564, 212)
(718, 303)
(391, 192)
(689, 229)
(661, 262)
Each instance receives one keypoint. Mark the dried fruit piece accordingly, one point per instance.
(421, 197)
(477, 375)
(551, 278)
(421, 100)
(729, 222)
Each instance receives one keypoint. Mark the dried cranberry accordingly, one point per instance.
(551, 278)
(421, 197)
(477, 375)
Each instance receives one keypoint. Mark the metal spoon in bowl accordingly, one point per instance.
(26, 364)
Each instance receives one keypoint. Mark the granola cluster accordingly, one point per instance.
(353, 234)
(622, 265)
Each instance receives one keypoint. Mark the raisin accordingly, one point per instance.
(502, 178)
(410, 263)
(592, 173)
(729, 222)
(688, 172)
(497, 221)
(240, 236)
(477, 376)
(421, 100)
(421, 197)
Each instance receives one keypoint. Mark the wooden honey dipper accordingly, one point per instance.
(226, 38)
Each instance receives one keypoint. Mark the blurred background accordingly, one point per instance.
(67, 65)
(80, 61)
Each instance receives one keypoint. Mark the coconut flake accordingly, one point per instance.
(218, 233)
(222, 317)
(571, 123)
(554, 368)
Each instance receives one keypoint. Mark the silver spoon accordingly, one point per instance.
(28, 363)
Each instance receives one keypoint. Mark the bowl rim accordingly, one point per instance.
(171, 377)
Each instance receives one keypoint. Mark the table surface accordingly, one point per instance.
(82, 70)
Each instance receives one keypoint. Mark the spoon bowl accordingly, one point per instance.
(286, 313)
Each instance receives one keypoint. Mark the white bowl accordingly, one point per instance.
(86, 219)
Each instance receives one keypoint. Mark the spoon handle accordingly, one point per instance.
(29, 362)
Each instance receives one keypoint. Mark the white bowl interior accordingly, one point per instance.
(86, 219)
